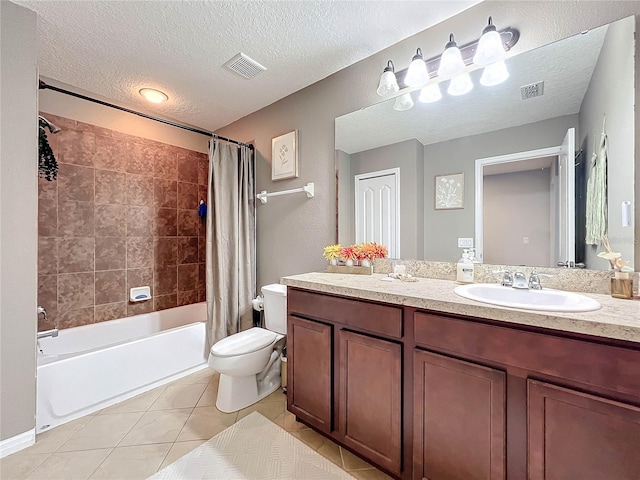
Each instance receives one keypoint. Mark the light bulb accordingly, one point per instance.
(490, 48)
(417, 74)
(388, 83)
(403, 102)
(153, 95)
(460, 85)
(430, 93)
(494, 74)
(451, 63)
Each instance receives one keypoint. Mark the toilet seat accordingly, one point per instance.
(245, 342)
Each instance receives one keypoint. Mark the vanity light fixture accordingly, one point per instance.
(403, 102)
(417, 74)
(494, 74)
(431, 93)
(451, 63)
(490, 48)
(489, 52)
(460, 85)
(388, 83)
(153, 95)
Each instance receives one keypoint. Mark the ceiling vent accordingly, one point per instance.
(532, 90)
(244, 66)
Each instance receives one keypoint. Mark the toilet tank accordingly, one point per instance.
(275, 307)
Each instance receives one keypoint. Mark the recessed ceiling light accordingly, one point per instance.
(153, 95)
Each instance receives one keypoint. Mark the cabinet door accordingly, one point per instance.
(577, 435)
(309, 363)
(459, 419)
(370, 398)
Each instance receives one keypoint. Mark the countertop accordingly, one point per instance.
(617, 319)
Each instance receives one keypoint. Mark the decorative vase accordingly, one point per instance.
(333, 261)
(365, 262)
(349, 262)
(622, 285)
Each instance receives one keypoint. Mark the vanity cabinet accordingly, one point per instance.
(459, 424)
(431, 396)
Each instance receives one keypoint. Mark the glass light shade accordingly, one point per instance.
(388, 84)
(430, 93)
(153, 95)
(494, 74)
(451, 63)
(460, 85)
(490, 49)
(417, 74)
(403, 102)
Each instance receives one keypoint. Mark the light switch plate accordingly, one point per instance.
(465, 242)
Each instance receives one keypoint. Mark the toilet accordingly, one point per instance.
(249, 361)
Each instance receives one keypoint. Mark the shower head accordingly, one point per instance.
(52, 127)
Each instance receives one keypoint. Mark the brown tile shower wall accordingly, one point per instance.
(123, 213)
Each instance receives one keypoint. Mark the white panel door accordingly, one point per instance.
(566, 180)
(377, 209)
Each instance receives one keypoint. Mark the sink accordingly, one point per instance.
(546, 299)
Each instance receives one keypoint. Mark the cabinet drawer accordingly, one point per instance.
(603, 366)
(371, 317)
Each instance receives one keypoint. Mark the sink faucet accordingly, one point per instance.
(520, 281)
(507, 277)
(534, 280)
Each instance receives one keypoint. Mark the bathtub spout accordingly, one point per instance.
(48, 333)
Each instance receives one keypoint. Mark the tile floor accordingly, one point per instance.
(135, 438)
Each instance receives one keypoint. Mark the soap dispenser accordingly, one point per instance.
(465, 268)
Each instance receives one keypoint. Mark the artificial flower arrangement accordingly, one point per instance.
(362, 253)
(615, 259)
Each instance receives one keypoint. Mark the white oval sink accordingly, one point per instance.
(545, 299)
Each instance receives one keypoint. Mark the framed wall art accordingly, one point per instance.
(449, 191)
(284, 156)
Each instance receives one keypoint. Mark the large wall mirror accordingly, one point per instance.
(494, 162)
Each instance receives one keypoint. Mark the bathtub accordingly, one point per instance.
(88, 368)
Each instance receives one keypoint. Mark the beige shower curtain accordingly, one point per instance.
(231, 252)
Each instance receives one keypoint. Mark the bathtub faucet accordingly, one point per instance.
(47, 333)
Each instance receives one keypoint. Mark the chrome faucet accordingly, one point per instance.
(534, 280)
(47, 333)
(520, 281)
(507, 277)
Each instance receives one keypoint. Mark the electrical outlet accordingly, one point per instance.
(465, 242)
(525, 240)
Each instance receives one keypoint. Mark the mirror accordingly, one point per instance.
(398, 163)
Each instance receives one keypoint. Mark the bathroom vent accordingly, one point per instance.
(244, 66)
(532, 90)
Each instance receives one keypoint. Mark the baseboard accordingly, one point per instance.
(17, 443)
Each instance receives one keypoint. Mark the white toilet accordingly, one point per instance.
(248, 362)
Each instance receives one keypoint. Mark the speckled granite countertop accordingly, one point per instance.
(618, 319)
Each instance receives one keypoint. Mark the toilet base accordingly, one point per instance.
(236, 393)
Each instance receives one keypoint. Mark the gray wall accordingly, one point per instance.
(291, 230)
(18, 216)
(443, 227)
(506, 197)
(612, 85)
(407, 156)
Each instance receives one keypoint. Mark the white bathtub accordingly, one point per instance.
(88, 368)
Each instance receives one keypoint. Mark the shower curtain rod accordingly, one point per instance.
(43, 86)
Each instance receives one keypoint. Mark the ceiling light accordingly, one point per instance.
(430, 93)
(460, 85)
(388, 83)
(451, 63)
(153, 95)
(494, 74)
(490, 47)
(417, 74)
(403, 102)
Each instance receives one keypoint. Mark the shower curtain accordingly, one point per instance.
(231, 252)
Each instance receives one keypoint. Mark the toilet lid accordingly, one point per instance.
(244, 342)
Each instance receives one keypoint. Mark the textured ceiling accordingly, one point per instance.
(113, 48)
(565, 66)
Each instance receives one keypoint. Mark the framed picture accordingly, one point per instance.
(284, 156)
(449, 191)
